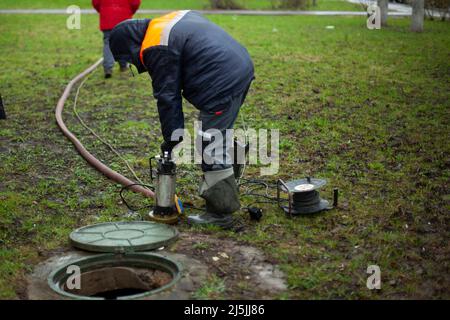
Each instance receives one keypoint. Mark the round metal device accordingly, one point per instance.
(123, 277)
(312, 203)
(305, 185)
(303, 196)
(122, 237)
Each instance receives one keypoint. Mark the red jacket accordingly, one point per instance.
(113, 12)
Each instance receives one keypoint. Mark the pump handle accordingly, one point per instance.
(151, 167)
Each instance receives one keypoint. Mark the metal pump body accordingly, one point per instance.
(165, 182)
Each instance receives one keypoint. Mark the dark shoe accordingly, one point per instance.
(108, 74)
(124, 68)
(223, 221)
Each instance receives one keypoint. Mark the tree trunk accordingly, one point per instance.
(417, 15)
(383, 4)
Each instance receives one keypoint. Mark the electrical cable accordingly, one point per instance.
(135, 209)
(244, 125)
(252, 186)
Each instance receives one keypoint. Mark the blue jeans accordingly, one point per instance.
(108, 59)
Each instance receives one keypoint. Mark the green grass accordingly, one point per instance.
(368, 110)
(341, 5)
(213, 288)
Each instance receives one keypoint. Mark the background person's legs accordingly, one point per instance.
(108, 59)
(123, 65)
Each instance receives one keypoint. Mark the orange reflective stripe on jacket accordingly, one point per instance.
(159, 30)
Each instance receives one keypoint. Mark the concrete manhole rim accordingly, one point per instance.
(141, 259)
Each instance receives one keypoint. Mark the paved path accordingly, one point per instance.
(400, 8)
(397, 7)
(228, 12)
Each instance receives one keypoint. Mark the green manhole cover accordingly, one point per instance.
(123, 236)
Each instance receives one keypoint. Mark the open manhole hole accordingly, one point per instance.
(112, 276)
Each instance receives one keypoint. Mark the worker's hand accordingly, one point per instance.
(169, 145)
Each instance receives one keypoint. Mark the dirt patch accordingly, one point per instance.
(246, 271)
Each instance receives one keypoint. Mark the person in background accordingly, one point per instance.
(111, 13)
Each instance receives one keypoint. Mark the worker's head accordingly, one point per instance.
(126, 39)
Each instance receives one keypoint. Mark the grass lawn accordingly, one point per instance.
(368, 110)
(339, 5)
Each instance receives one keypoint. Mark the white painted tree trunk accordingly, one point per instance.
(418, 12)
(383, 4)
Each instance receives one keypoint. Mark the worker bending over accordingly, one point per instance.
(187, 55)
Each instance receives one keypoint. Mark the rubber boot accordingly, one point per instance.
(123, 67)
(220, 192)
(108, 74)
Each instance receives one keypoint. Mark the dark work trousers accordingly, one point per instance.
(108, 59)
(216, 152)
